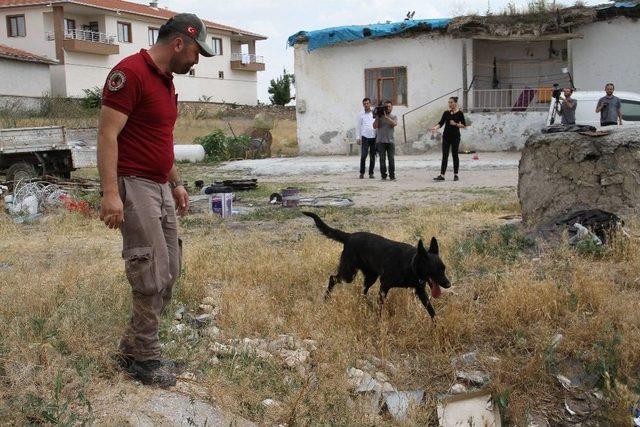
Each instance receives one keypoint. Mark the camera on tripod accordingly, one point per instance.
(557, 91)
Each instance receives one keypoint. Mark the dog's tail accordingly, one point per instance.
(331, 233)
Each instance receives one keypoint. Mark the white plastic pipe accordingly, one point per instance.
(188, 153)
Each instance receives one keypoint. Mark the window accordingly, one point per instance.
(217, 46)
(16, 26)
(124, 32)
(153, 35)
(91, 32)
(221, 74)
(382, 84)
(630, 110)
(192, 72)
(70, 28)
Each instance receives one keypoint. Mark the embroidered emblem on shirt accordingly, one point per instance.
(116, 81)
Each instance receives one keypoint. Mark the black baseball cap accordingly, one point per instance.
(193, 27)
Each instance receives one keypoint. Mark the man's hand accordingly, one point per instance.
(181, 198)
(112, 211)
(359, 141)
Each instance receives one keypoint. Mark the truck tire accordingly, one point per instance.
(20, 171)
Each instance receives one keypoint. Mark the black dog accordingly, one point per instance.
(398, 265)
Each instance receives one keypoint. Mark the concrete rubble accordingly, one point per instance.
(475, 408)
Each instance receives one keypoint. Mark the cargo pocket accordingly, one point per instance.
(140, 270)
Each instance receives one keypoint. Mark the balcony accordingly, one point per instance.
(88, 42)
(515, 99)
(247, 62)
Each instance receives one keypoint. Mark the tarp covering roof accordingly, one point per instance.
(626, 4)
(330, 36)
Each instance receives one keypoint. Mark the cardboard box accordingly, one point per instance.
(221, 204)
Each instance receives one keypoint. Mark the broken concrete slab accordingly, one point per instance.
(476, 409)
(458, 389)
(398, 403)
(294, 358)
(477, 378)
(128, 404)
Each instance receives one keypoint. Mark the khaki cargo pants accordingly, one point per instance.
(152, 254)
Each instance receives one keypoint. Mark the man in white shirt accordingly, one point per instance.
(366, 138)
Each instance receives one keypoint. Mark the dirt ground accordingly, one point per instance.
(551, 326)
(338, 176)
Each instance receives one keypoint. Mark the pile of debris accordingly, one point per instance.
(227, 186)
(31, 199)
(291, 352)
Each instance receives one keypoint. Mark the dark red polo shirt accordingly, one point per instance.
(137, 88)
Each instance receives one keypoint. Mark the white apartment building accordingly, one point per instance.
(84, 39)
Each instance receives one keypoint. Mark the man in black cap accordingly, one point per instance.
(141, 186)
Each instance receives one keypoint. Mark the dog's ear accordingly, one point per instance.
(433, 247)
(421, 248)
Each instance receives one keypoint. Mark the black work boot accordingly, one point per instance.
(124, 362)
(152, 372)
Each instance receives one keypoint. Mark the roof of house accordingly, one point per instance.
(22, 55)
(127, 7)
(330, 36)
(526, 25)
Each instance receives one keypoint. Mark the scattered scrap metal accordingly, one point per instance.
(30, 199)
(594, 224)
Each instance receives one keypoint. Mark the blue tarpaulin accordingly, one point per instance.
(619, 5)
(626, 4)
(330, 36)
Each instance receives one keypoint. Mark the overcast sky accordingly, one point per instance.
(278, 19)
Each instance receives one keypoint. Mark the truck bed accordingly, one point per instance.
(23, 140)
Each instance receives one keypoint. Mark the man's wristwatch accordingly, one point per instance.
(174, 184)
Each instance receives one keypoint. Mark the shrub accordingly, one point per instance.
(214, 145)
(92, 99)
(219, 147)
(236, 146)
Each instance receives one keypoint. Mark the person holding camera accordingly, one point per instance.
(366, 138)
(609, 107)
(385, 123)
(453, 121)
(567, 108)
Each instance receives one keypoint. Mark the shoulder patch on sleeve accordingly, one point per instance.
(116, 80)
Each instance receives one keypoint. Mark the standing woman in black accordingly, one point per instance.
(453, 121)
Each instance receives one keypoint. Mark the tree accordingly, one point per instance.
(280, 89)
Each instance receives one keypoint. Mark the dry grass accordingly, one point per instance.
(284, 132)
(64, 301)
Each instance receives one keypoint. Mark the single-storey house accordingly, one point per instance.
(31, 75)
(502, 68)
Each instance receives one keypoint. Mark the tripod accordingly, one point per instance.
(555, 110)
